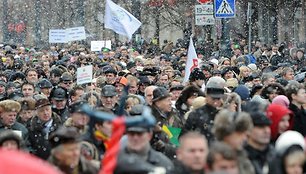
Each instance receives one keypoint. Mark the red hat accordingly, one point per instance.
(275, 113)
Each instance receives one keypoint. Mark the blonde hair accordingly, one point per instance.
(243, 68)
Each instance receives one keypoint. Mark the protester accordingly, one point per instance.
(66, 152)
(192, 154)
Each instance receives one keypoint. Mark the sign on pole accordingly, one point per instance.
(76, 33)
(57, 36)
(84, 74)
(97, 45)
(225, 8)
(204, 14)
(66, 35)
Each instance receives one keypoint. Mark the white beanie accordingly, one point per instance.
(288, 139)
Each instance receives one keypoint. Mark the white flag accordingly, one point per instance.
(119, 20)
(192, 61)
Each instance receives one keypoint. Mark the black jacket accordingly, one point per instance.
(39, 138)
(261, 160)
(299, 123)
(180, 168)
(154, 158)
(202, 120)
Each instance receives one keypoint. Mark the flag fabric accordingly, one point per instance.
(119, 20)
(173, 133)
(192, 61)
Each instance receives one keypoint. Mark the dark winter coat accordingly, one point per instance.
(244, 164)
(85, 166)
(261, 160)
(202, 120)
(299, 123)
(63, 113)
(39, 139)
(160, 140)
(18, 127)
(180, 168)
(154, 158)
(181, 103)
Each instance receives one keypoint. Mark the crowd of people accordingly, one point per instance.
(242, 114)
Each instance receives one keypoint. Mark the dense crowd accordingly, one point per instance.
(241, 114)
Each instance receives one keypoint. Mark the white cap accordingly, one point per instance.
(288, 139)
(215, 61)
(252, 66)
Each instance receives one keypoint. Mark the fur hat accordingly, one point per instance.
(232, 82)
(187, 93)
(9, 106)
(232, 97)
(10, 135)
(27, 103)
(227, 122)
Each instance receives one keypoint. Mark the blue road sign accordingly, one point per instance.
(224, 8)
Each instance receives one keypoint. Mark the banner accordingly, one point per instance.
(84, 74)
(98, 45)
(192, 60)
(67, 35)
(119, 20)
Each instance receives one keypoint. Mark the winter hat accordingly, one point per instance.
(215, 87)
(275, 113)
(10, 135)
(243, 92)
(196, 74)
(214, 61)
(9, 106)
(232, 82)
(252, 66)
(198, 102)
(288, 139)
(160, 93)
(281, 100)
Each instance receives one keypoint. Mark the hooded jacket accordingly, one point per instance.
(276, 113)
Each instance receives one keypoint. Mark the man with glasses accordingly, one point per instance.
(109, 98)
(59, 99)
(66, 81)
(202, 119)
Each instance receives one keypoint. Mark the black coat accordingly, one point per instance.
(39, 139)
(202, 120)
(154, 158)
(261, 160)
(18, 127)
(299, 121)
(63, 113)
(180, 168)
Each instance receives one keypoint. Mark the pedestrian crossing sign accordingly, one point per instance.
(224, 8)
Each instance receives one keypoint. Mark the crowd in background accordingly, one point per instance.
(240, 114)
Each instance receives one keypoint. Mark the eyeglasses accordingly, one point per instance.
(67, 83)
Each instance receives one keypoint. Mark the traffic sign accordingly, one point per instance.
(204, 14)
(204, 20)
(204, 1)
(204, 9)
(225, 8)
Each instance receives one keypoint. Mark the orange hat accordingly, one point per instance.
(122, 80)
